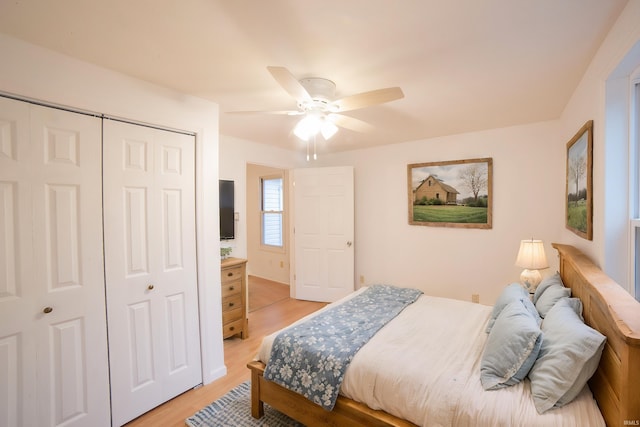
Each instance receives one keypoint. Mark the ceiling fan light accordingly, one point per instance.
(307, 127)
(328, 129)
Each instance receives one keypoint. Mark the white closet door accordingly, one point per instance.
(152, 302)
(53, 351)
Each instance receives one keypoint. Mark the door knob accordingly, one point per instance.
(47, 310)
(349, 243)
(150, 287)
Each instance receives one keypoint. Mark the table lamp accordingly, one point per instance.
(531, 257)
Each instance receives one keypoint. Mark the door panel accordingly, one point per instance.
(150, 266)
(67, 212)
(62, 235)
(136, 245)
(324, 230)
(9, 248)
(54, 361)
(17, 292)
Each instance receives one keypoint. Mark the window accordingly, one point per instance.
(620, 220)
(635, 185)
(272, 207)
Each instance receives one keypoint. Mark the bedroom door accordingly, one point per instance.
(53, 337)
(152, 302)
(323, 233)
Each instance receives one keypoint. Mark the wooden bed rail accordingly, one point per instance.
(611, 310)
(347, 412)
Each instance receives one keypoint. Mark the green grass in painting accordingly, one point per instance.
(577, 215)
(458, 214)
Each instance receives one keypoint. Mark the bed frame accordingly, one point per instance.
(615, 385)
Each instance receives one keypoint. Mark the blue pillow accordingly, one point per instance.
(569, 356)
(549, 297)
(554, 279)
(512, 292)
(512, 347)
(576, 305)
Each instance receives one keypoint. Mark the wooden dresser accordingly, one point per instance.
(234, 297)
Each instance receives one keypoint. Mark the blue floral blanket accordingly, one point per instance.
(311, 358)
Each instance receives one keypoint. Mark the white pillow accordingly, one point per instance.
(569, 356)
(512, 347)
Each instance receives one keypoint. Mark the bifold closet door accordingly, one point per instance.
(53, 339)
(150, 261)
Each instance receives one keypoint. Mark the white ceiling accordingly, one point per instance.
(464, 65)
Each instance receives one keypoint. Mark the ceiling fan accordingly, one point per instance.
(322, 113)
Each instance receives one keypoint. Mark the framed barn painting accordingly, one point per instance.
(454, 193)
(579, 191)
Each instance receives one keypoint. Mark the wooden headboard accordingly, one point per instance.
(610, 309)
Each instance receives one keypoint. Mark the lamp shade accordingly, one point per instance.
(312, 124)
(531, 255)
(328, 129)
(307, 127)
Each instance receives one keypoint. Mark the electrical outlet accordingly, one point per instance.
(281, 264)
(362, 280)
(475, 298)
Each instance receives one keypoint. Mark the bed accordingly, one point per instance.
(606, 307)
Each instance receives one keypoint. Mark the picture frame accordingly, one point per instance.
(454, 193)
(579, 183)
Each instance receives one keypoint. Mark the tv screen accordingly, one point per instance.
(227, 223)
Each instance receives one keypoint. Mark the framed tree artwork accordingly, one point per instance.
(579, 190)
(455, 193)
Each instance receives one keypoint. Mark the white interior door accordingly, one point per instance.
(323, 233)
(53, 342)
(152, 302)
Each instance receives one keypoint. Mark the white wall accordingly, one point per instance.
(602, 91)
(40, 74)
(454, 262)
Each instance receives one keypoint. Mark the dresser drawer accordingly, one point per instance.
(231, 288)
(231, 273)
(232, 302)
(230, 316)
(232, 328)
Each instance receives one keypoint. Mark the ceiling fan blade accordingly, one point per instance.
(289, 83)
(283, 112)
(366, 99)
(350, 123)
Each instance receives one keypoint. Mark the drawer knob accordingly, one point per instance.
(150, 287)
(229, 274)
(232, 328)
(231, 304)
(47, 310)
(231, 288)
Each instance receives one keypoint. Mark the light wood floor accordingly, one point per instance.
(263, 292)
(270, 309)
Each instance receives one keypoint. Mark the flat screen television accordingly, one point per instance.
(227, 199)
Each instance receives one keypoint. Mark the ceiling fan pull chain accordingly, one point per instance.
(315, 157)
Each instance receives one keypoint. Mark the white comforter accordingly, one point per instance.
(424, 366)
